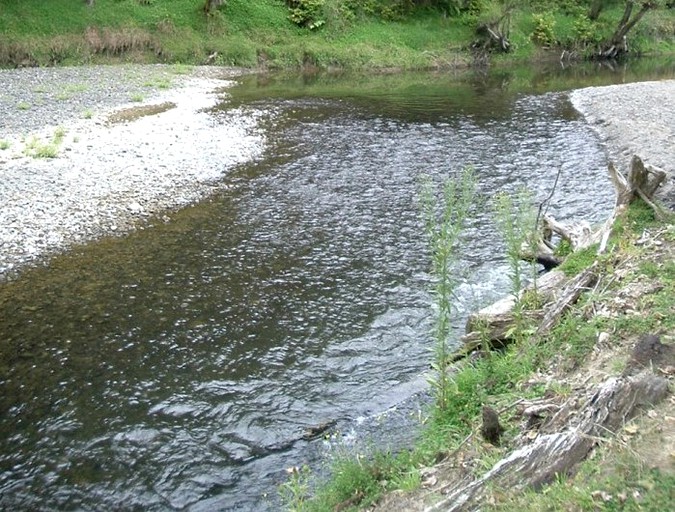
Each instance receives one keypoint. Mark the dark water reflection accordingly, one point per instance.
(178, 366)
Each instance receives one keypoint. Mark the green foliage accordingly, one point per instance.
(357, 480)
(35, 148)
(444, 231)
(585, 30)
(544, 26)
(403, 34)
(4, 144)
(638, 217)
(563, 249)
(516, 223)
(579, 260)
(295, 491)
(306, 13)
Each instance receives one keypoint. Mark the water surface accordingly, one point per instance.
(178, 367)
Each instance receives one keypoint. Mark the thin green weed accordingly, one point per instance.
(444, 220)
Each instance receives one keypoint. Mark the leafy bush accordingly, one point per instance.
(306, 13)
(585, 30)
(544, 25)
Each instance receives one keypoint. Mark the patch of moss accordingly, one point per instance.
(579, 260)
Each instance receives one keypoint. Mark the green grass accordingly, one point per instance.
(36, 148)
(578, 261)
(245, 33)
(69, 91)
(630, 486)
(4, 144)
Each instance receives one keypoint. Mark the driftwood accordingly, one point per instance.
(642, 182)
(568, 296)
(493, 323)
(564, 440)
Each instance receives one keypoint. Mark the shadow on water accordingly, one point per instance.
(178, 366)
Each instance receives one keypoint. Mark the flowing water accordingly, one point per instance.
(178, 367)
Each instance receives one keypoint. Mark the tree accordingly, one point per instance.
(617, 45)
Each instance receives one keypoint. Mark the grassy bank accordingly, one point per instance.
(629, 470)
(397, 34)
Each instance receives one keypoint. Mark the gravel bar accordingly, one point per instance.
(634, 119)
(130, 142)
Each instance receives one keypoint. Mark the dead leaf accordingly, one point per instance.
(631, 429)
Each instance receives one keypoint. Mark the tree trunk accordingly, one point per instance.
(594, 11)
(617, 45)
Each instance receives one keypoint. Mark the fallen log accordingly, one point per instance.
(564, 440)
(568, 296)
(493, 324)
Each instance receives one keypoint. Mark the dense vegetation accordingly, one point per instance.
(324, 33)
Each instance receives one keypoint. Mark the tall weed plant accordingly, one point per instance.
(444, 220)
(516, 221)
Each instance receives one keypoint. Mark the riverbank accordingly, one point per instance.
(325, 34)
(635, 119)
(89, 152)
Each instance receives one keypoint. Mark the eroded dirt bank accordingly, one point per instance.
(90, 151)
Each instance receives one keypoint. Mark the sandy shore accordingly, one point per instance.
(110, 171)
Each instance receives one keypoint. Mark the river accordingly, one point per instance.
(178, 367)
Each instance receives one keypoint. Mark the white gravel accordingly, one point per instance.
(108, 176)
(636, 118)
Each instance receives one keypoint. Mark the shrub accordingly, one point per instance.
(306, 13)
(544, 25)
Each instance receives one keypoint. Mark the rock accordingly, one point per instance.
(491, 429)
